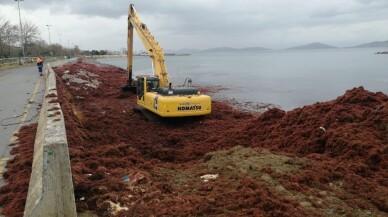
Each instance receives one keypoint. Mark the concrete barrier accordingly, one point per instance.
(50, 192)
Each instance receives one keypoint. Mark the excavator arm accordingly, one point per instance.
(151, 45)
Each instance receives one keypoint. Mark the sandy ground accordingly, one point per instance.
(326, 159)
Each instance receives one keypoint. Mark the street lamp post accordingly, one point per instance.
(60, 42)
(68, 49)
(21, 29)
(48, 28)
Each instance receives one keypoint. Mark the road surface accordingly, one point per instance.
(21, 94)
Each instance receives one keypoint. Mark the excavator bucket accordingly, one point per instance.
(130, 87)
(127, 89)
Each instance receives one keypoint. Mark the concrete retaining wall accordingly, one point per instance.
(50, 192)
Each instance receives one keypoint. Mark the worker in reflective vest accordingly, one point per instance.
(39, 63)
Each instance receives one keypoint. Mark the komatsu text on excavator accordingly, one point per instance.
(154, 92)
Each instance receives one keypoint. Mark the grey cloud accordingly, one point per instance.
(223, 19)
(102, 8)
(223, 14)
(324, 13)
(373, 2)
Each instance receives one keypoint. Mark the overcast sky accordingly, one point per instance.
(201, 24)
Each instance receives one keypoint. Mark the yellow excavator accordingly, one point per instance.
(154, 92)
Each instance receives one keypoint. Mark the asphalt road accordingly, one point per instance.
(21, 95)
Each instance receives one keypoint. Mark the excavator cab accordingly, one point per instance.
(146, 84)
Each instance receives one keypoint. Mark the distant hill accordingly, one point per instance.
(373, 44)
(220, 49)
(254, 49)
(188, 51)
(168, 51)
(316, 45)
(230, 49)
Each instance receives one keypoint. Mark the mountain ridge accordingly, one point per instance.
(372, 44)
(230, 49)
(314, 45)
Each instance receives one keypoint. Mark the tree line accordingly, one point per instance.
(34, 45)
(11, 40)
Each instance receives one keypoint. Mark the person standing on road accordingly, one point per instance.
(39, 63)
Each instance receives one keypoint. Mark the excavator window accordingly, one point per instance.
(152, 85)
(140, 88)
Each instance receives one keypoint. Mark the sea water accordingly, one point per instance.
(284, 78)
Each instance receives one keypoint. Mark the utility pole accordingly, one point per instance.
(21, 29)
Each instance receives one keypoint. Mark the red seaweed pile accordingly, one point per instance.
(13, 195)
(325, 159)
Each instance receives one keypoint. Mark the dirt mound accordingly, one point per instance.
(325, 159)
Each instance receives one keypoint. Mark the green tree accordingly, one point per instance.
(103, 52)
(95, 52)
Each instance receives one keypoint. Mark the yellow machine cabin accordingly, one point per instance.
(154, 92)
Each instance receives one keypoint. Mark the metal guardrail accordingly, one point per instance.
(23, 60)
(9, 61)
